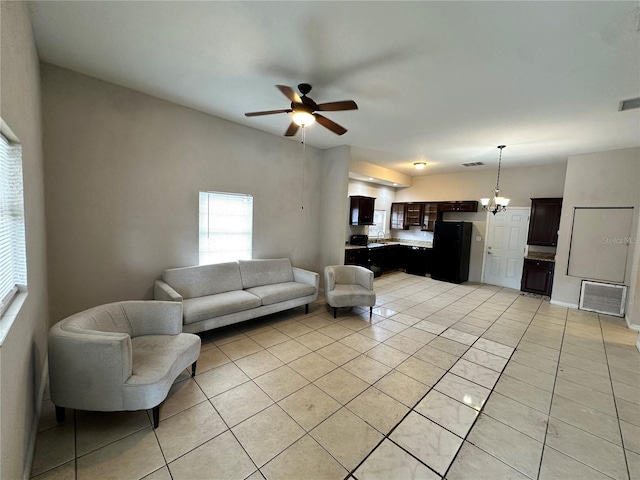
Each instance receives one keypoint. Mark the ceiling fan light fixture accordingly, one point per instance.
(419, 165)
(302, 118)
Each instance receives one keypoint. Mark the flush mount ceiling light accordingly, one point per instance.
(419, 165)
(497, 203)
(302, 118)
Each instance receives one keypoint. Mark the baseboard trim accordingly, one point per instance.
(33, 435)
(564, 304)
(630, 325)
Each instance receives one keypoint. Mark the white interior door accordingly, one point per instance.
(504, 253)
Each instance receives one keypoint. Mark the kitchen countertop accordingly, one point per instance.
(541, 257)
(378, 245)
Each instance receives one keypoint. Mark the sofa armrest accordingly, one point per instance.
(364, 277)
(153, 317)
(163, 291)
(329, 279)
(97, 361)
(305, 276)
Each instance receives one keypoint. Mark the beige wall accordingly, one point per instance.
(23, 353)
(633, 303)
(518, 184)
(334, 206)
(601, 179)
(123, 173)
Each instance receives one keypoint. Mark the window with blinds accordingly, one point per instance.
(13, 260)
(226, 227)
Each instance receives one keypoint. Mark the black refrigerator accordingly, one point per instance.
(451, 251)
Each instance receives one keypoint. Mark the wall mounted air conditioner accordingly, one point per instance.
(603, 298)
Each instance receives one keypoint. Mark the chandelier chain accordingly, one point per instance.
(499, 165)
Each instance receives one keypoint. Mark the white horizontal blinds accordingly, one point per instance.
(226, 227)
(13, 265)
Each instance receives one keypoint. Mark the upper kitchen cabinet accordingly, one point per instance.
(458, 206)
(429, 216)
(462, 206)
(362, 210)
(545, 221)
(415, 212)
(398, 214)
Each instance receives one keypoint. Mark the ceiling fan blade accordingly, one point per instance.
(337, 106)
(289, 93)
(291, 131)
(330, 124)
(268, 112)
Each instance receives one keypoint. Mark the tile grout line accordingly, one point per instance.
(555, 379)
(482, 407)
(412, 409)
(432, 388)
(615, 403)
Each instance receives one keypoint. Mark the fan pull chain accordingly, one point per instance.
(304, 160)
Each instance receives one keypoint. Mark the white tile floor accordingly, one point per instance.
(446, 381)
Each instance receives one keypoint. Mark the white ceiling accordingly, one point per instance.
(441, 82)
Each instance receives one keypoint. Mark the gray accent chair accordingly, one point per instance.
(119, 356)
(349, 286)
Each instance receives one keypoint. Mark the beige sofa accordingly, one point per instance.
(226, 293)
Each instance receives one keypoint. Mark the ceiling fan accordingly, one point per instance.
(304, 110)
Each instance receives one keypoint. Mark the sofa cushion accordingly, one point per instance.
(281, 292)
(255, 273)
(351, 296)
(203, 308)
(192, 282)
(154, 356)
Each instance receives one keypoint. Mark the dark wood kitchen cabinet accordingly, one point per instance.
(545, 221)
(362, 210)
(415, 212)
(418, 260)
(462, 206)
(398, 212)
(537, 277)
(429, 216)
(458, 206)
(357, 256)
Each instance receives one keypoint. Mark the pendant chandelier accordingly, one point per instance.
(497, 203)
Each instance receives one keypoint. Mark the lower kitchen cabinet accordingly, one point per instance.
(418, 260)
(537, 277)
(414, 260)
(357, 256)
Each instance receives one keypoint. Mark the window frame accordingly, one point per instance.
(379, 226)
(239, 233)
(13, 208)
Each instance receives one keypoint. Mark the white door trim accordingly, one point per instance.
(487, 235)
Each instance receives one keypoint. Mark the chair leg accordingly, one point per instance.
(59, 414)
(156, 416)
(306, 308)
(370, 312)
(193, 368)
(335, 312)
